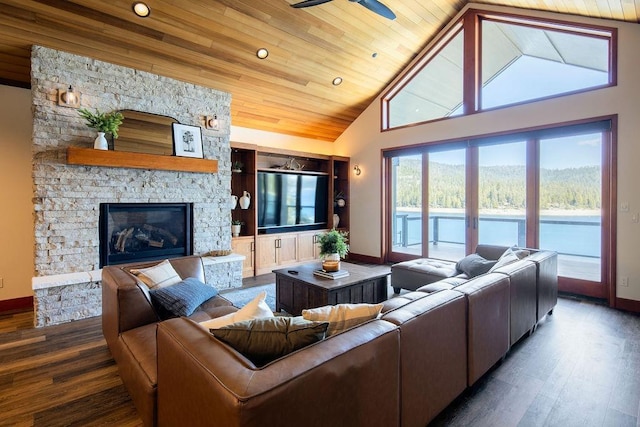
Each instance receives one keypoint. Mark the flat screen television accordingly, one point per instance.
(289, 201)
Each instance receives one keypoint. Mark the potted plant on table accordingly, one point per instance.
(333, 247)
(103, 123)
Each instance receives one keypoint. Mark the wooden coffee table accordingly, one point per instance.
(297, 291)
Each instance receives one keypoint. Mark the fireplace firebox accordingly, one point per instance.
(131, 232)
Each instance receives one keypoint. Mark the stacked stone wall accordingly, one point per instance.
(67, 197)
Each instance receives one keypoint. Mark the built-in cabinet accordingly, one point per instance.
(276, 250)
(266, 252)
(245, 245)
(308, 246)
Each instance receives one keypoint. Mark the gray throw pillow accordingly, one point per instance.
(474, 265)
(266, 339)
(182, 298)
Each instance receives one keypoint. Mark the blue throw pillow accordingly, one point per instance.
(182, 298)
(474, 265)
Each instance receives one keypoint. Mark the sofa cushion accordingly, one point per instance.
(474, 265)
(255, 309)
(158, 276)
(509, 256)
(343, 316)
(264, 340)
(437, 286)
(182, 298)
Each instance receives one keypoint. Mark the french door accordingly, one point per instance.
(549, 189)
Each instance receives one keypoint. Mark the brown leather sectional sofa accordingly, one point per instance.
(399, 370)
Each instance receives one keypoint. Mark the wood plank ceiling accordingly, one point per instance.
(213, 43)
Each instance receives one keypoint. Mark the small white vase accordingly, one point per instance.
(336, 220)
(101, 142)
(245, 200)
(234, 201)
(235, 230)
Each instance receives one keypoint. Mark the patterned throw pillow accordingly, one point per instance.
(158, 276)
(182, 298)
(342, 316)
(255, 309)
(264, 340)
(509, 256)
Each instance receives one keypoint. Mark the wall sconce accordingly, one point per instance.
(211, 122)
(68, 98)
(357, 170)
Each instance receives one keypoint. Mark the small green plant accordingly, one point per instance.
(103, 122)
(237, 166)
(334, 242)
(236, 222)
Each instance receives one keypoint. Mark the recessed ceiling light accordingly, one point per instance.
(262, 53)
(337, 81)
(374, 54)
(141, 9)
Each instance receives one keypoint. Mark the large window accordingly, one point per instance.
(547, 189)
(519, 60)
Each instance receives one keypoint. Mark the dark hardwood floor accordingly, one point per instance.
(580, 368)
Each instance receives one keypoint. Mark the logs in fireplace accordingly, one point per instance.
(131, 232)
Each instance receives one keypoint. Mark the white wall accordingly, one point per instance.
(278, 140)
(16, 209)
(363, 143)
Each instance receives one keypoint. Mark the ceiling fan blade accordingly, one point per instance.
(377, 7)
(308, 3)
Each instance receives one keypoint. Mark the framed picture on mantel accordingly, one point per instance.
(187, 141)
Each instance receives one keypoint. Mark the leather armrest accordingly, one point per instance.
(547, 280)
(124, 304)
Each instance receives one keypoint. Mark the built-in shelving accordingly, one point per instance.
(124, 159)
(265, 252)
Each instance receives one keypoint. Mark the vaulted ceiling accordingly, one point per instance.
(214, 42)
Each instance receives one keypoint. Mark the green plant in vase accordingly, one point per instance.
(333, 247)
(236, 224)
(237, 166)
(104, 123)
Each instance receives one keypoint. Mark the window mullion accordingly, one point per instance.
(471, 61)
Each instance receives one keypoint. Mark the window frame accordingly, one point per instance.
(471, 24)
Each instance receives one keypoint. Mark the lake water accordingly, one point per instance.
(572, 235)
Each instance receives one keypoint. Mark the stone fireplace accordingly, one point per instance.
(67, 197)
